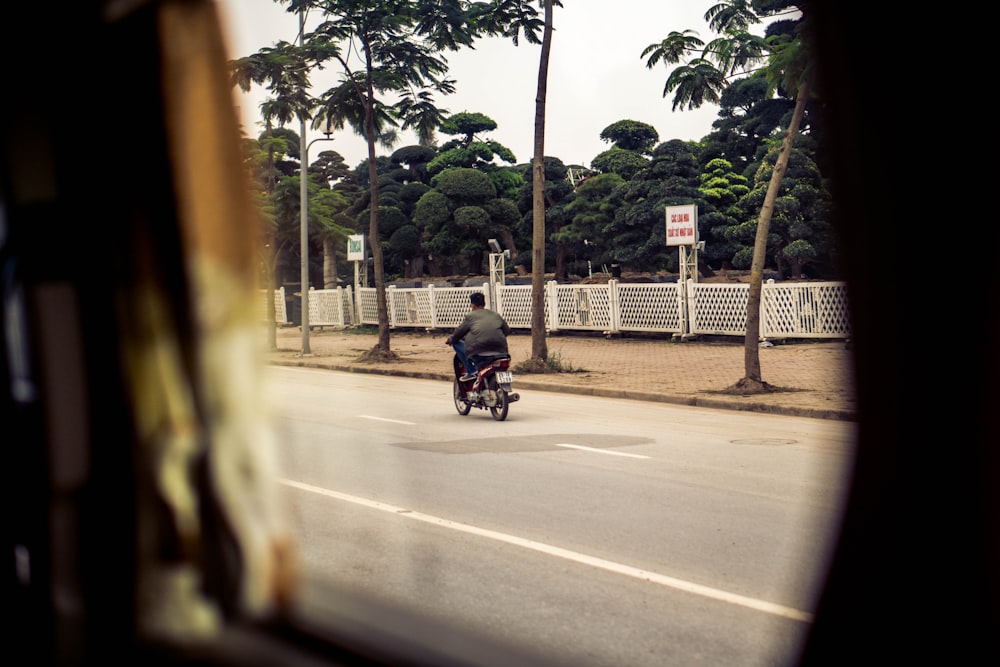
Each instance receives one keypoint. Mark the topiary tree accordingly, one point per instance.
(458, 216)
(590, 212)
(747, 117)
(619, 161)
(721, 190)
(469, 150)
(637, 234)
(464, 185)
(557, 191)
(631, 135)
(630, 141)
(415, 159)
(800, 233)
(404, 250)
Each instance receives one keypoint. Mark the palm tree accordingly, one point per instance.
(675, 48)
(791, 67)
(539, 348)
(398, 45)
(695, 83)
(514, 19)
(731, 15)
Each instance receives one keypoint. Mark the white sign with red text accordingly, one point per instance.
(682, 225)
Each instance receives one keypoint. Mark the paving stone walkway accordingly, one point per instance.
(816, 377)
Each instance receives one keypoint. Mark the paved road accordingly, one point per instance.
(596, 531)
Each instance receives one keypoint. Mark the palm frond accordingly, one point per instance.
(673, 49)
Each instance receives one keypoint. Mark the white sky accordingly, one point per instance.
(596, 76)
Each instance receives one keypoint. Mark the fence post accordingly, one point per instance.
(498, 295)
(766, 294)
(432, 299)
(350, 306)
(552, 301)
(390, 304)
(687, 305)
(313, 307)
(339, 301)
(613, 300)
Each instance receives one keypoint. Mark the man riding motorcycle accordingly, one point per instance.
(482, 333)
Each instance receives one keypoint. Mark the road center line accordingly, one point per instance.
(602, 451)
(383, 419)
(611, 566)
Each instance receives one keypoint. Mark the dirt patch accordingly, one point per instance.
(377, 355)
(749, 387)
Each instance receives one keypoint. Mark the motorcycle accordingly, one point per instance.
(490, 390)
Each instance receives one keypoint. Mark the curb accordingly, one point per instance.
(692, 401)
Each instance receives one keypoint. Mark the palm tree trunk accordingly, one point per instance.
(382, 347)
(539, 349)
(751, 351)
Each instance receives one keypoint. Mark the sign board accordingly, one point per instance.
(356, 248)
(682, 225)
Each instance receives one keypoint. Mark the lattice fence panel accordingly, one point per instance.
(451, 305)
(368, 305)
(719, 309)
(410, 307)
(326, 307)
(656, 307)
(515, 305)
(347, 307)
(813, 310)
(280, 310)
(810, 310)
(586, 307)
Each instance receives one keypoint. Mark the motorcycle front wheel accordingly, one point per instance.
(499, 410)
(461, 404)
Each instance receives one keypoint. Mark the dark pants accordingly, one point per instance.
(459, 346)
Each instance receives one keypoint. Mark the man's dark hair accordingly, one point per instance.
(478, 299)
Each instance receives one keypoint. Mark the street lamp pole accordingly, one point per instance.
(304, 210)
(304, 232)
(303, 217)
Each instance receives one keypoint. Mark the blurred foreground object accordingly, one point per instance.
(143, 462)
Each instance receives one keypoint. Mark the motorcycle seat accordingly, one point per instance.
(490, 357)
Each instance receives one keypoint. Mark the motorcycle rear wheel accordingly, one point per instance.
(461, 404)
(499, 410)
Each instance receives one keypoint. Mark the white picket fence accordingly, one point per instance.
(788, 310)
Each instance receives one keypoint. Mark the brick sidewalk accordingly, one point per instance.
(816, 377)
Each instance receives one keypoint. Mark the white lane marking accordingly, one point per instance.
(611, 566)
(383, 419)
(602, 451)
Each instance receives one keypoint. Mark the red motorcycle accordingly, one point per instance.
(490, 390)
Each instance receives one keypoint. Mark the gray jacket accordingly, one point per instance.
(484, 331)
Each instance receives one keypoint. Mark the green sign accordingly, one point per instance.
(356, 248)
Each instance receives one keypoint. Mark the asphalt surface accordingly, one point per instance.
(810, 378)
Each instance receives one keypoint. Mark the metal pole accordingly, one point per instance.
(303, 216)
(304, 233)
(304, 241)
(304, 209)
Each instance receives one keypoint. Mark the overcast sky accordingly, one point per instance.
(597, 76)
